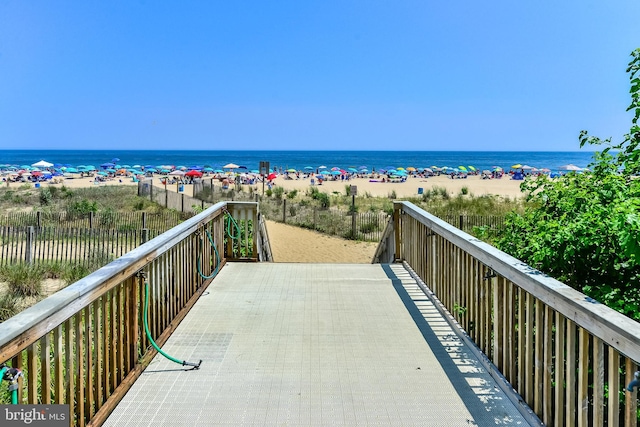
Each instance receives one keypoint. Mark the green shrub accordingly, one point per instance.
(324, 200)
(292, 194)
(45, 196)
(464, 191)
(278, 192)
(24, 280)
(9, 306)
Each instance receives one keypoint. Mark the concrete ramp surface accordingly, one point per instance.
(315, 344)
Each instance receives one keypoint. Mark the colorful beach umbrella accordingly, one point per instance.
(462, 168)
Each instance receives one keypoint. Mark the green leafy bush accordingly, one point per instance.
(584, 228)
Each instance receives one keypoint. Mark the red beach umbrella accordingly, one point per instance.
(194, 174)
(271, 176)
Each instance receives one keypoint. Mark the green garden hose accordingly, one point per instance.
(153, 343)
(199, 259)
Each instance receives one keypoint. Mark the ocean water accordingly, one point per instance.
(373, 160)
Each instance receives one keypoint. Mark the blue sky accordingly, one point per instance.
(334, 75)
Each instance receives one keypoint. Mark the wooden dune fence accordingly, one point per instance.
(67, 245)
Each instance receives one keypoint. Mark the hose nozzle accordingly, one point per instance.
(195, 365)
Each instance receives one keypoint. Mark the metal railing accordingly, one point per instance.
(567, 356)
(84, 346)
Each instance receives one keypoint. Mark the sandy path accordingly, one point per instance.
(293, 244)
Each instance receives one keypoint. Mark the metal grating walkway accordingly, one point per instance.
(315, 344)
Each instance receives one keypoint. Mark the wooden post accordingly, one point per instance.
(353, 216)
(284, 211)
(144, 220)
(461, 222)
(396, 225)
(30, 242)
(90, 219)
(144, 236)
(39, 219)
(182, 202)
(166, 194)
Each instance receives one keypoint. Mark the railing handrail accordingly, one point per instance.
(49, 313)
(614, 328)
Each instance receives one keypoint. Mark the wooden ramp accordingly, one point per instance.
(315, 344)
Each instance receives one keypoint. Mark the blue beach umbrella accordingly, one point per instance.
(352, 170)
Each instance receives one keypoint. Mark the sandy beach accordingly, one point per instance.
(293, 244)
(475, 185)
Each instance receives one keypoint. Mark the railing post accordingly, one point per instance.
(396, 225)
(461, 222)
(182, 202)
(144, 236)
(29, 243)
(39, 219)
(90, 219)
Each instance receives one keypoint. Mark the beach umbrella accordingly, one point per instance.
(271, 176)
(527, 167)
(256, 171)
(291, 170)
(462, 168)
(308, 167)
(230, 166)
(353, 170)
(365, 170)
(42, 164)
(193, 173)
(151, 169)
(115, 160)
(335, 172)
(72, 170)
(322, 167)
(517, 166)
(107, 165)
(471, 168)
(411, 169)
(335, 168)
(208, 169)
(570, 167)
(362, 167)
(176, 172)
(325, 172)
